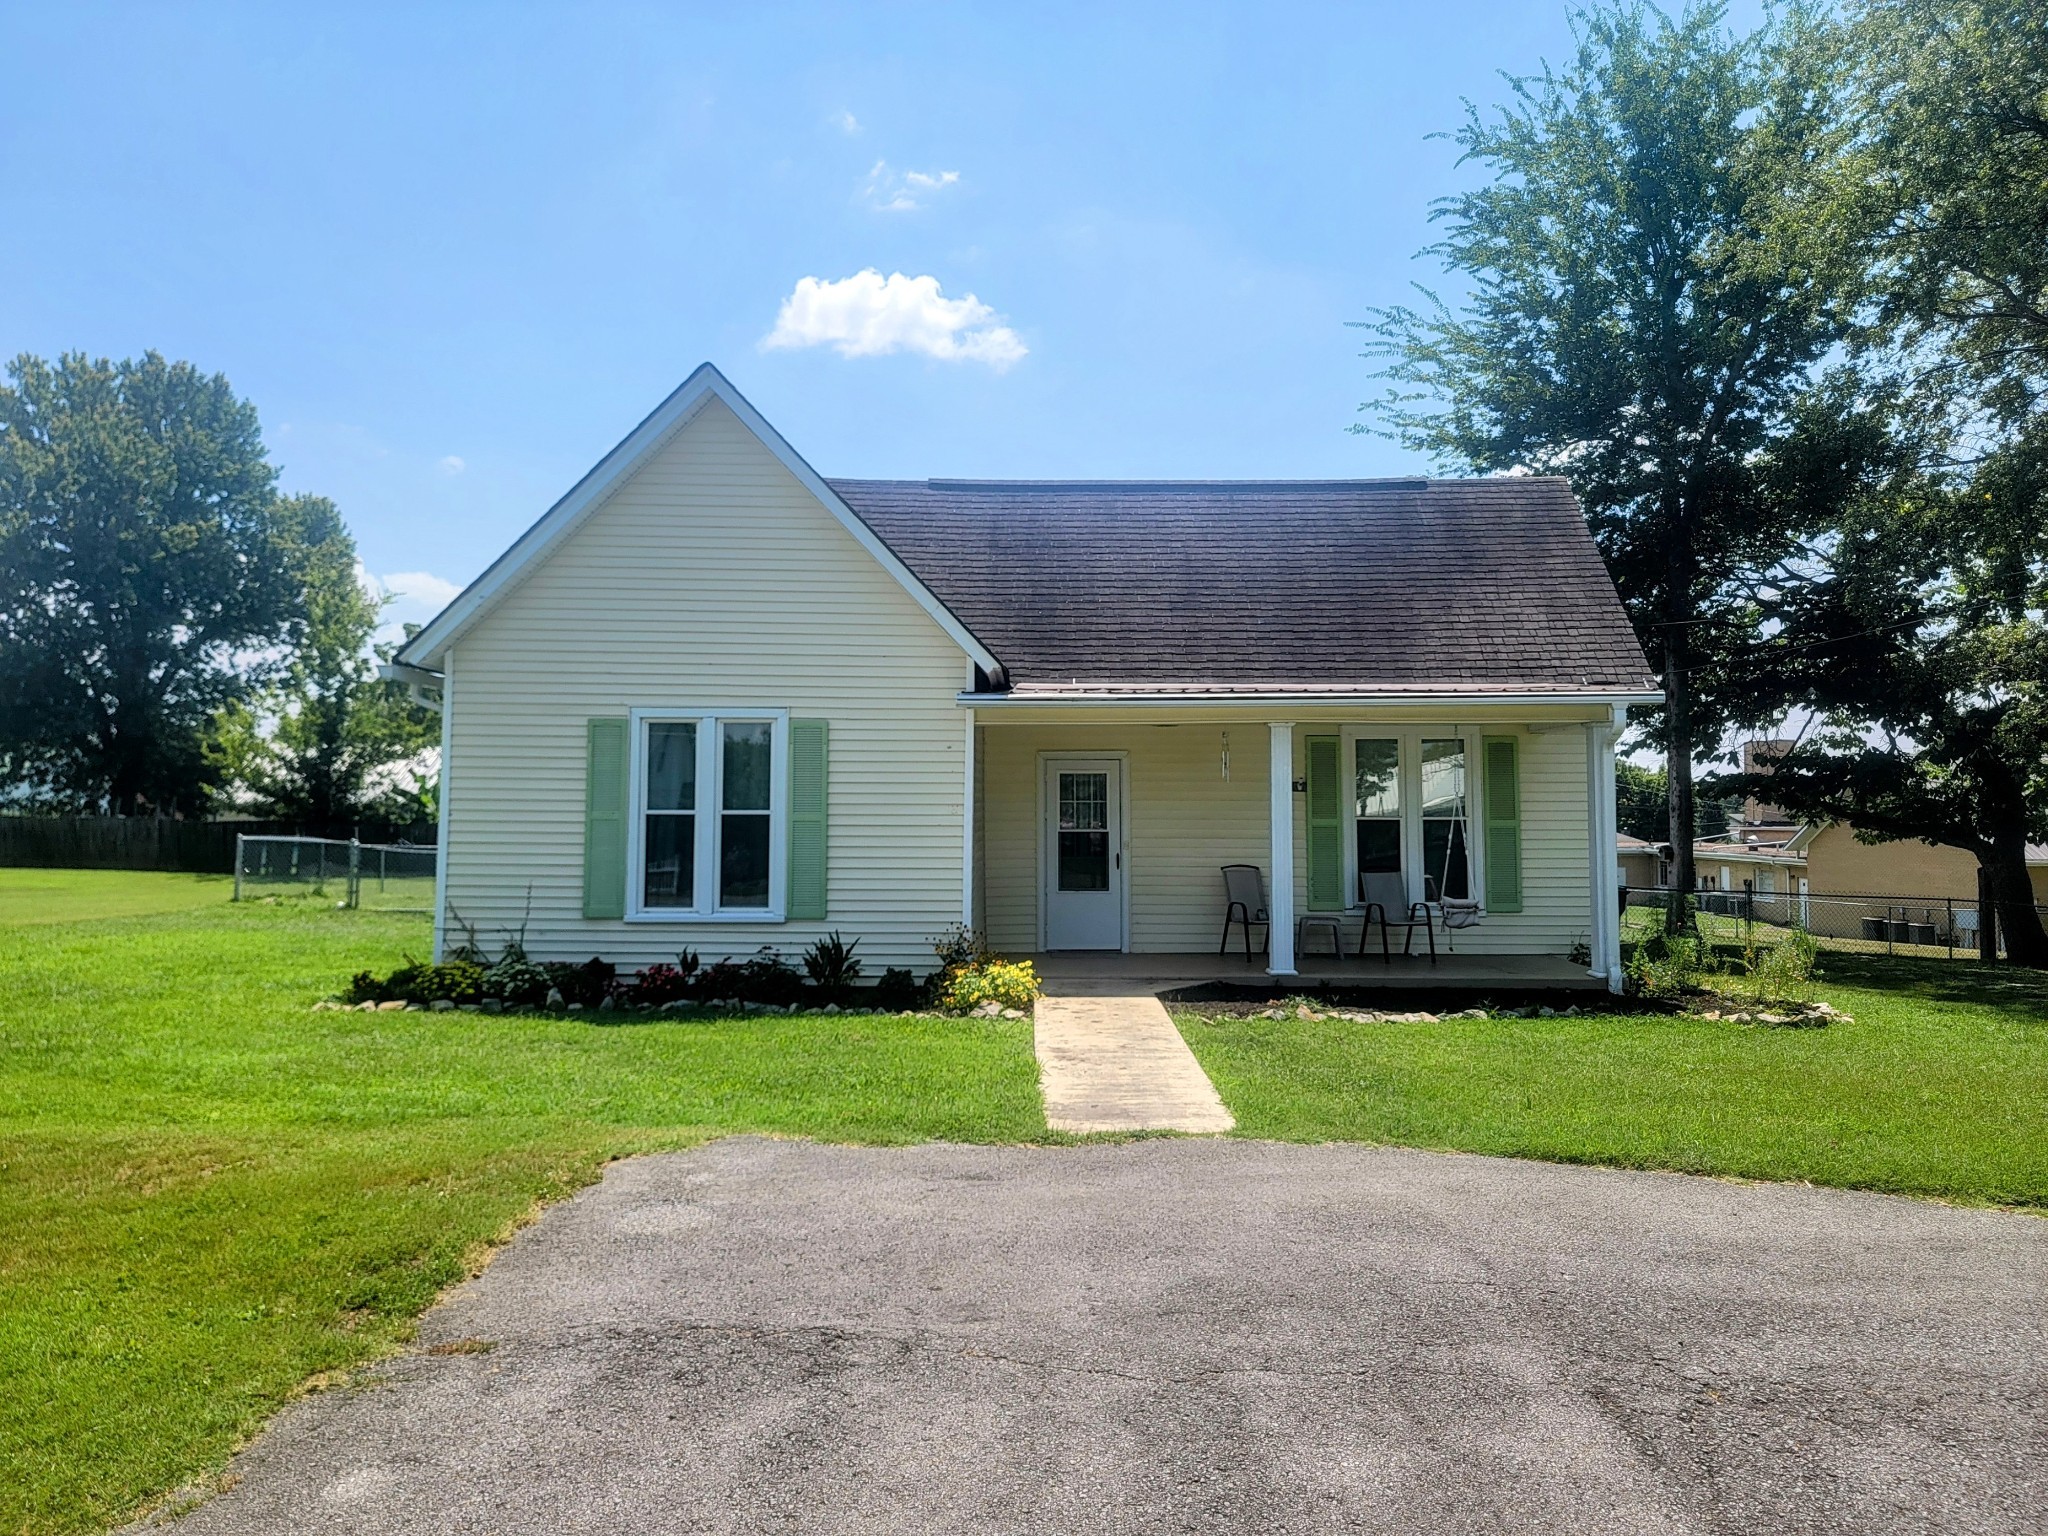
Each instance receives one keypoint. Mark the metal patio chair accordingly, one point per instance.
(1244, 901)
(1382, 896)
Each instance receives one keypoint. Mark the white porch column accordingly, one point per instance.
(1280, 887)
(1605, 941)
(967, 827)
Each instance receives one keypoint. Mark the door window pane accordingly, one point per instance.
(671, 856)
(1084, 832)
(672, 765)
(746, 771)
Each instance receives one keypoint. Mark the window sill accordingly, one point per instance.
(683, 915)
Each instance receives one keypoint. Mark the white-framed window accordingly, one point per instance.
(709, 837)
(1413, 808)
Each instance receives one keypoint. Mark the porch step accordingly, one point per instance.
(1114, 1062)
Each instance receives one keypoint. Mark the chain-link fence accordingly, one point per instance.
(1941, 927)
(385, 877)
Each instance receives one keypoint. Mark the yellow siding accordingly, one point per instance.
(1184, 822)
(1836, 864)
(712, 577)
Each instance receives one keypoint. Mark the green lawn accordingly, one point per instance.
(73, 895)
(1939, 1087)
(211, 1193)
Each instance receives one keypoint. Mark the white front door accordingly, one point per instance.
(1083, 859)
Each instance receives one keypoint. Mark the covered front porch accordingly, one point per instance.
(1100, 827)
(1111, 972)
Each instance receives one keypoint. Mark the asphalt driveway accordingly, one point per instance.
(1183, 1336)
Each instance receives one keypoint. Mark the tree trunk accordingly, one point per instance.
(2004, 878)
(1678, 916)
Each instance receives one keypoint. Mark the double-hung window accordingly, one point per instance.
(1411, 807)
(710, 818)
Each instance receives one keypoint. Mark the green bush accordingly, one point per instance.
(899, 991)
(1010, 983)
(1783, 972)
(1671, 965)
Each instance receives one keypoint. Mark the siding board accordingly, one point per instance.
(711, 578)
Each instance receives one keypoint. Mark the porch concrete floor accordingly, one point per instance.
(1067, 973)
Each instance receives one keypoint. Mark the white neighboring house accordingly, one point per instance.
(712, 700)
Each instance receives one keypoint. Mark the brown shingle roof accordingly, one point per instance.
(1347, 585)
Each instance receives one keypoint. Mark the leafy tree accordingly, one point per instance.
(1916, 628)
(1642, 801)
(1634, 323)
(141, 579)
(318, 746)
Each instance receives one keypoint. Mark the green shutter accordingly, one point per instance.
(1325, 822)
(807, 830)
(604, 821)
(1503, 825)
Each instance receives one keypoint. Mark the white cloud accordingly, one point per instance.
(902, 191)
(412, 597)
(452, 465)
(868, 315)
(846, 123)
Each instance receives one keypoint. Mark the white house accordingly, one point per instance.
(712, 700)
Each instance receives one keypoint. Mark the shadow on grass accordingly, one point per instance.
(2011, 988)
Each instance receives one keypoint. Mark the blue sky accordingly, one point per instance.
(453, 253)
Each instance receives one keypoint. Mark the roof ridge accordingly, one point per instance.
(1380, 482)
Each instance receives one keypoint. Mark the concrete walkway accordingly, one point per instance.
(1111, 1060)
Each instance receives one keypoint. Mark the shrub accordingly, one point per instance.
(1667, 965)
(960, 947)
(515, 979)
(831, 966)
(765, 977)
(589, 983)
(660, 984)
(1783, 972)
(768, 978)
(1009, 983)
(458, 981)
(898, 991)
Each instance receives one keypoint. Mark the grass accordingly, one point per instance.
(38, 896)
(212, 1193)
(1938, 1088)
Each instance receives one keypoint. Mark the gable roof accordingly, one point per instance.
(1251, 587)
(427, 648)
(1113, 589)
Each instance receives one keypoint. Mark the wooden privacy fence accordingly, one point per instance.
(161, 842)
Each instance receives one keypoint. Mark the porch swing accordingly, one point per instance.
(1453, 912)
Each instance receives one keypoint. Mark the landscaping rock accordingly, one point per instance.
(492, 1005)
(391, 1007)
(575, 1008)
(1013, 1013)
(366, 1007)
(829, 1008)
(1546, 1012)
(469, 1007)
(441, 1005)
(989, 1010)
(554, 997)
